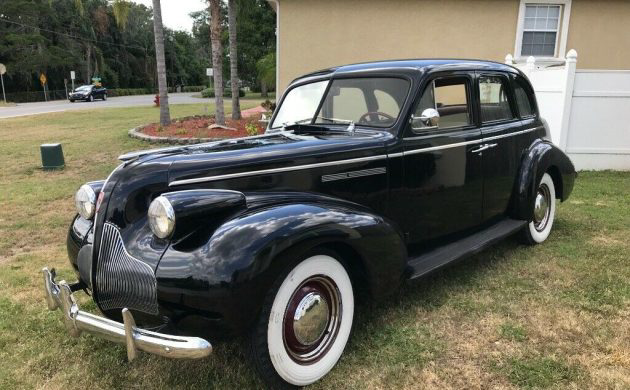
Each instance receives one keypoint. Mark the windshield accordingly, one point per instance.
(84, 88)
(368, 101)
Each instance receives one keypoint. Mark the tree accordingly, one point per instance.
(217, 59)
(236, 100)
(266, 68)
(158, 32)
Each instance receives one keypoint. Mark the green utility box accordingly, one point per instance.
(52, 156)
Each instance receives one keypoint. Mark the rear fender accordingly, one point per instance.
(542, 156)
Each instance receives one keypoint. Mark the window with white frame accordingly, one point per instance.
(542, 28)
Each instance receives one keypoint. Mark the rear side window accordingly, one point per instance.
(523, 98)
(493, 99)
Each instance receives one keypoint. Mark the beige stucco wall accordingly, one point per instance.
(315, 34)
(323, 33)
(600, 32)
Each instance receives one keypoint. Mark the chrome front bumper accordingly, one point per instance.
(59, 295)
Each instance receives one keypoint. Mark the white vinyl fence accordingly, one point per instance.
(588, 111)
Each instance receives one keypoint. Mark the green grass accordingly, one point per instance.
(551, 316)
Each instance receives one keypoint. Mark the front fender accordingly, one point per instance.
(228, 276)
(542, 156)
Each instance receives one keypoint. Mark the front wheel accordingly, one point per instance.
(538, 229)
(305, 323)
(91, 98)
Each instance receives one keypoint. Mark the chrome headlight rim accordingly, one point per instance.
(85, 201)
(161, 217)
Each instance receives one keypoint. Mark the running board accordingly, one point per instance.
(465, 247)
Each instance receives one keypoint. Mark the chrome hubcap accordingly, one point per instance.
(542, 207)
(311, 320)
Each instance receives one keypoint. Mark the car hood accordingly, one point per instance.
(220, 161)
(144, 175)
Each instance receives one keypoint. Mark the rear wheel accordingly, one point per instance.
(305, 323)
(105, 96)
(538, 229)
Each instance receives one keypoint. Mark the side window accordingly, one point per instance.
(523, 99)
(351, 102)
(493, 99)
(449, 96)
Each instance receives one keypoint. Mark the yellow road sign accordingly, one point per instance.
(42, 78)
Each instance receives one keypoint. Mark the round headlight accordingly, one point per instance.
(85, 200)
(161, 217)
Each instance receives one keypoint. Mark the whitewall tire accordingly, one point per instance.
(538, 229)
(308, 319)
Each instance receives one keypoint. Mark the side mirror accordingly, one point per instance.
(429, 119)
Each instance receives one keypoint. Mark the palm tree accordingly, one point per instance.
(236, 100)
(158, 32)
(217, 61)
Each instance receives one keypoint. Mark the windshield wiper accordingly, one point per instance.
(350, 123)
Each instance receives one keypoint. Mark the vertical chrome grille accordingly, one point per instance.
(121, 279)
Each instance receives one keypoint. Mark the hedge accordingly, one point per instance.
(209, 93)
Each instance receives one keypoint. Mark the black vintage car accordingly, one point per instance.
(88, 93)
(368, 175)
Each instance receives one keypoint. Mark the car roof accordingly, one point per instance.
(404, 66)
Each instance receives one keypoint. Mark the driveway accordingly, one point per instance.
(23, 109)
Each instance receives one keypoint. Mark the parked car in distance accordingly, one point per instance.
(368, 175)
(88, 93)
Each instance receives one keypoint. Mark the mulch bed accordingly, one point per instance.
(197, 127)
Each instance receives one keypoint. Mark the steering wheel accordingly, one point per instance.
(374, 116)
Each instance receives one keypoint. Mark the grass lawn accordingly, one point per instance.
(551, 316)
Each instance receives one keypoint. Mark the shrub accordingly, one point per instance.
(209, 93)
(269, 105)
(251, 128)
(193, 88)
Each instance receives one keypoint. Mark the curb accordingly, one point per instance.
(135, 133)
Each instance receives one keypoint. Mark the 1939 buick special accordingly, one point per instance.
(368, 175)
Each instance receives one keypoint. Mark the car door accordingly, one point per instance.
(499, 126)
(442, 181)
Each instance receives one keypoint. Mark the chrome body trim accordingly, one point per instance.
(353, 174)
(59, 295)
(338, 162)
(509, 134)
(275, 170)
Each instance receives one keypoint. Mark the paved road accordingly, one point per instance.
(123, 101)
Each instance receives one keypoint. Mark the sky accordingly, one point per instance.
(175, 12)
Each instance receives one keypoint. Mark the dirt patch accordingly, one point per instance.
(199, 127)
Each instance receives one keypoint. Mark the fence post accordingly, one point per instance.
(567, 96)
(530, 66)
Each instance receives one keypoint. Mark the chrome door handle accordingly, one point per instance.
(483, 147)
(480, 149)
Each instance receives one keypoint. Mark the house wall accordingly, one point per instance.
(600, 31)
(319, 34)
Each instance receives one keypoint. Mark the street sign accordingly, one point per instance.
(3, 69)
(42, 79)
(72, 75)
(209, 72)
